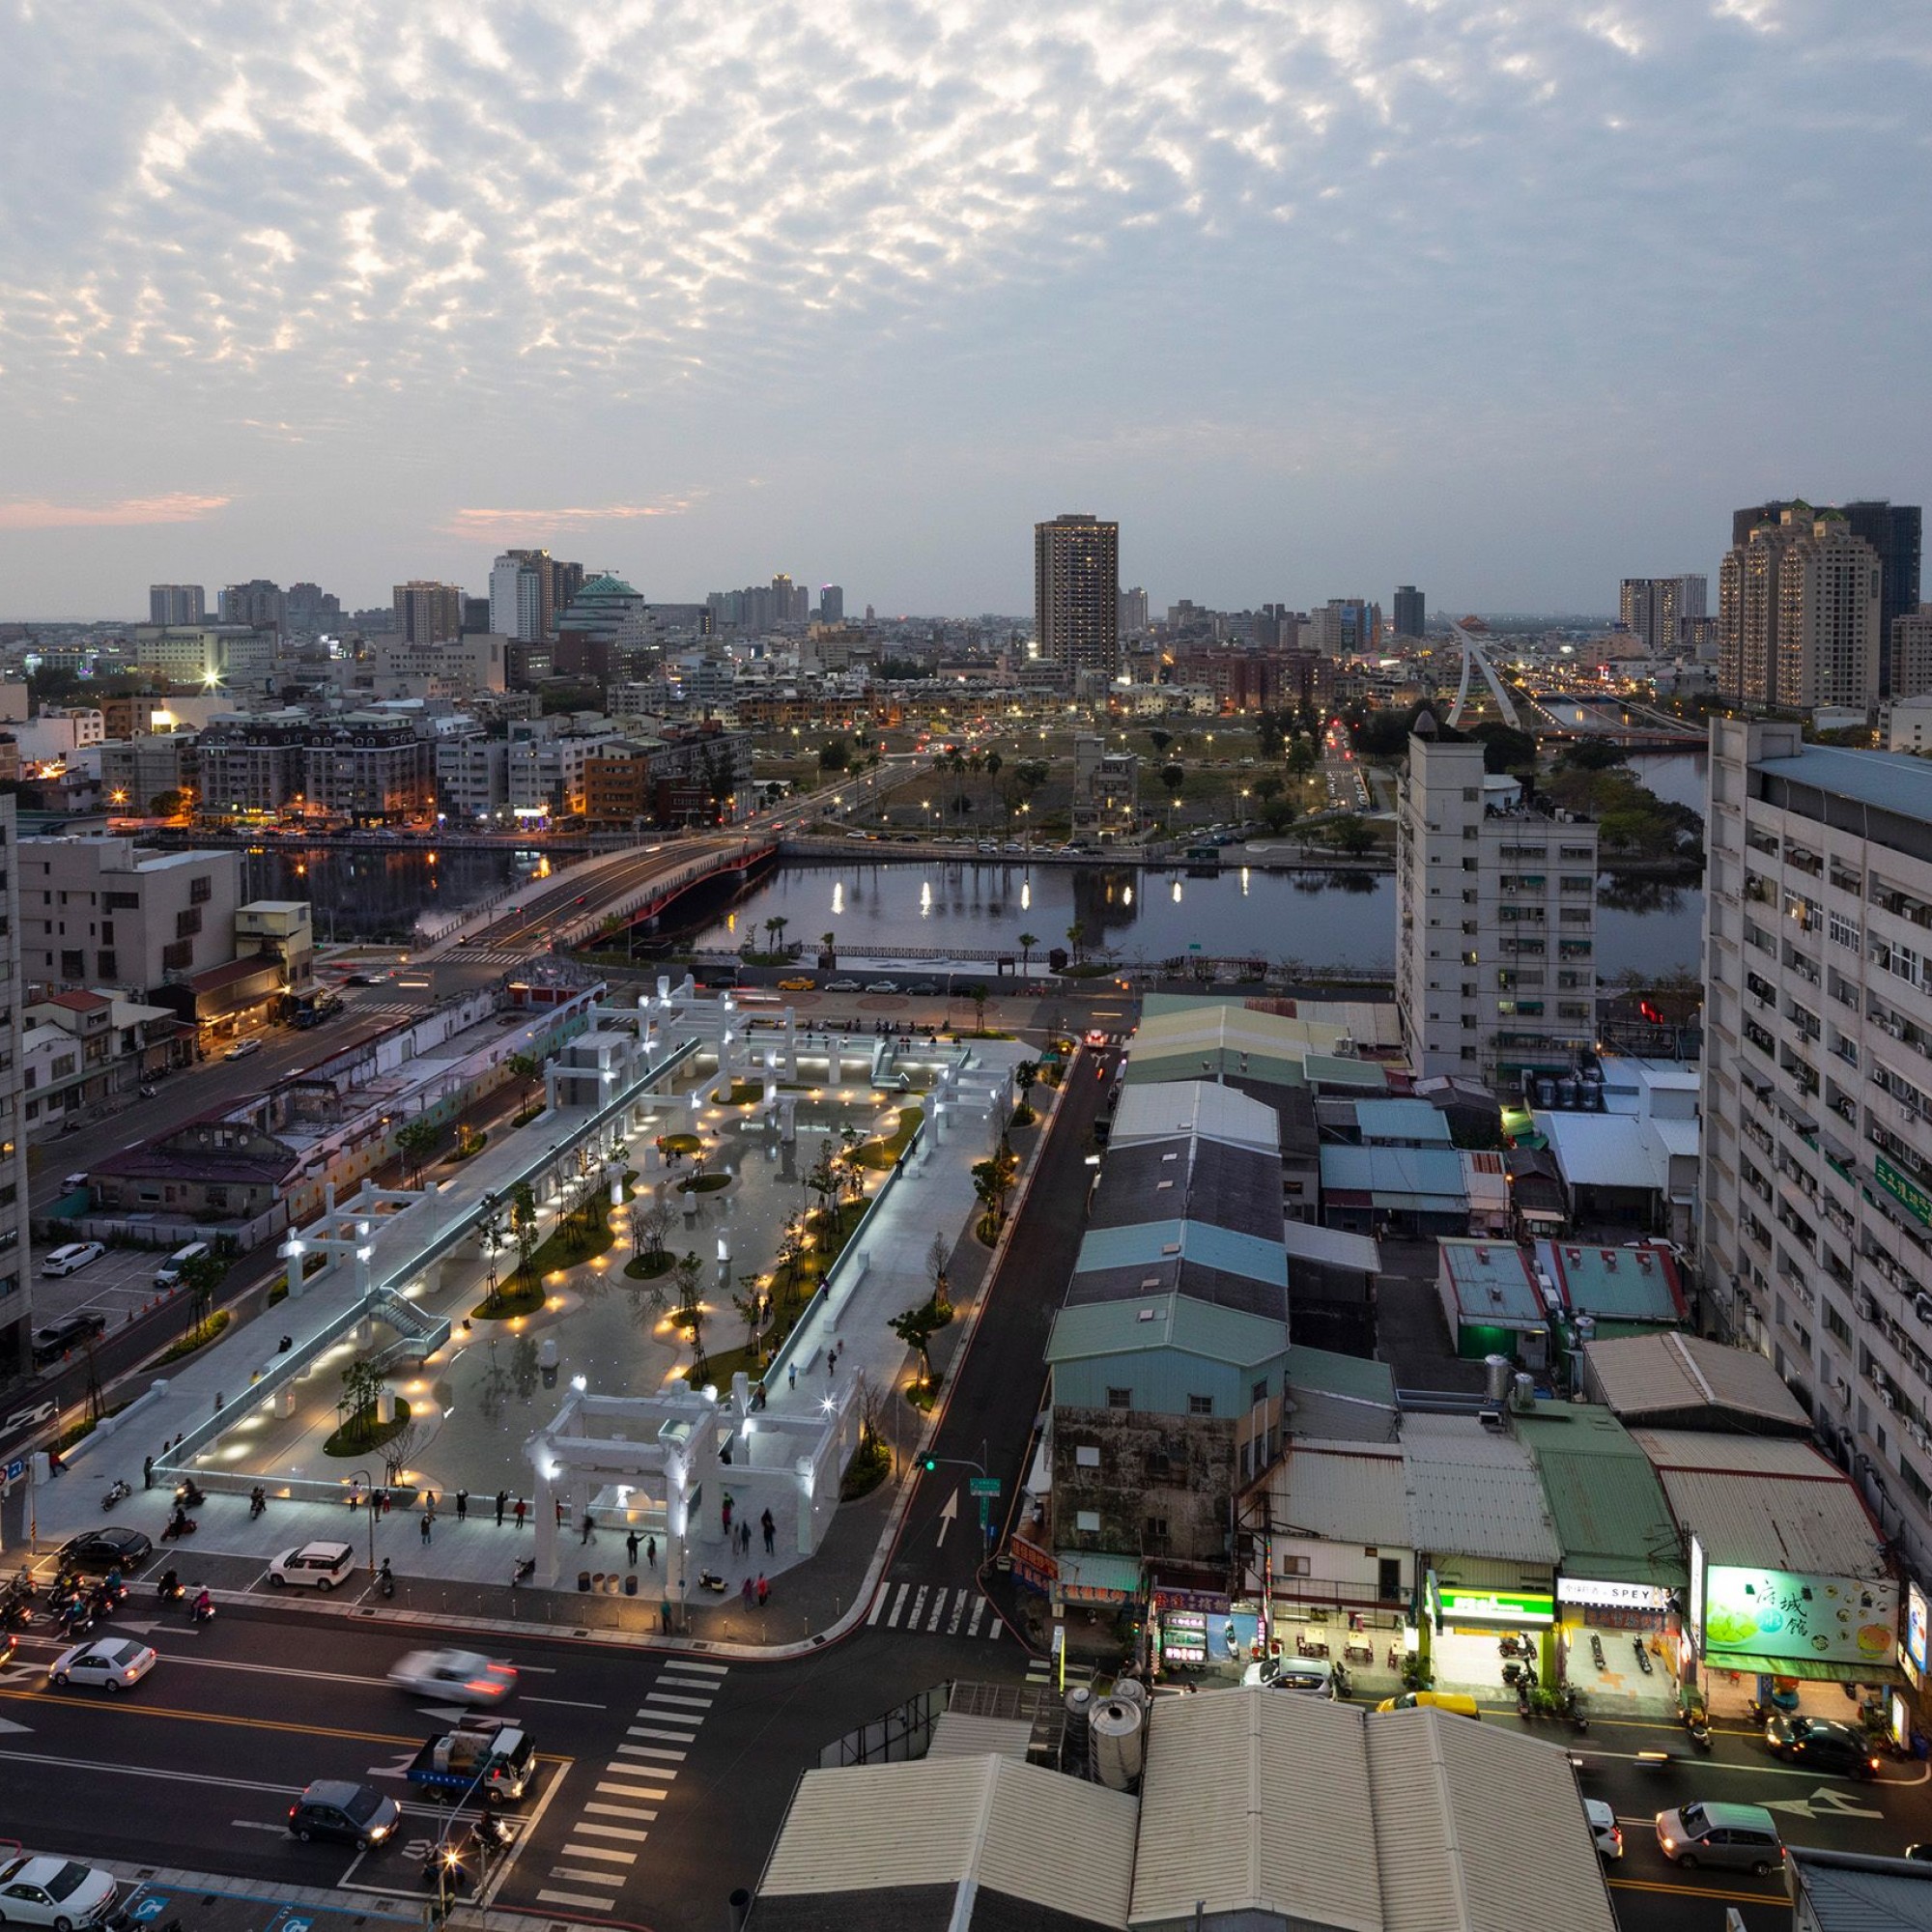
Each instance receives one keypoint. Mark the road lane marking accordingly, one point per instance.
(685, 1683)
(640, 1811)
(660, 1750)
(688, 1703)
(917, 1607)
(878, 1604)
(645, 1770)
(959, 1615)
(898, 1603)
(938, 1611)
(583, 1878)
(567, 1703)
(658, 1731)
(615, 1857)
(632, 1790)
(145, 1710)
(613, 1831)
(709, 1670)
(978, 1611)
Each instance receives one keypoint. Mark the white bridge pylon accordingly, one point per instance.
(1473, 658)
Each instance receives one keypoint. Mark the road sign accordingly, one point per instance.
(16, 1468)
(983, 1486)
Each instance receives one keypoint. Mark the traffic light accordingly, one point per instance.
(928, 1463)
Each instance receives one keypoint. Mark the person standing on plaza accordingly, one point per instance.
(631, 1547)
(522, 1505)
(428, 1518)
(764, 1589)
(503, 1503)
(771, 1529)
(463, 1505)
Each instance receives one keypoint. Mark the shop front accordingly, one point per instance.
(1203, 1631)
(1619, 1637)
(1469, 1631)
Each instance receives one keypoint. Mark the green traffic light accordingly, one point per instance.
(928, 1463)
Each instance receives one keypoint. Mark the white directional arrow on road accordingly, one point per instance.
(444, 1713)
(397, 1767)
(948, 1517)
(8, 1728)
(1833, 1803)
(26, 1418)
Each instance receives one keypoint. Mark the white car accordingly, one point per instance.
(842, 985)
(1603, 1827)
(69, 1182)
(72, 1256)
(54, 1891)
(456, 1676)
(241, 1049)
(882, 985)
(113, 1663)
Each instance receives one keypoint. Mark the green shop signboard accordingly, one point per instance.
(1902, 1187)
(1516, 1606)
(1808, 1619)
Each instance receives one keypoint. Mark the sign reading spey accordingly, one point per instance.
(1784, 1613)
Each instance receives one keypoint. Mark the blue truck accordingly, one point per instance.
(482, 1756)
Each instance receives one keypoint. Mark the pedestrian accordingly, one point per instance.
(355, 1493)
(519, 1512)
(664, 1613)
(764, 1590)
(590, 1530)
(651, 1551)
(147, 1473)
(463, 1505)
(747, 1593)
(559, 1512)
(771, 1529)
(428, 1518)
(792, 1370)
(55, 1467)
(429, 1500)
(745, 1536)
(384, 1498)
(727, 1509)
(630, 1549)
(502, 1502)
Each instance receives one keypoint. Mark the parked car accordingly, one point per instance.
(842, 985)
(922, 989)
(798, 985)
(69, 1182)
(1819, 1742)
(108, 1664)
(333, 1807)
(54, 1891)
(316, 1566)
(242, 1048)
(71, 1256)
(454, 1676)
(1603, 1827)
(1732, 1837)
(54, 1340)
(110, 1549)
(882, 986)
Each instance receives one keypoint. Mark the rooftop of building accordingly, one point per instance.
(1167, 1320)
(1677, 1378)
(1384, 1122)
(1211, 1182)
(1848, 1891)
(1891, 780)
(1343, 1492)
(1634, 1284)
(1610, 1512)
(1203, 1107)
(1475, 1492)
(1395, 1175)
(1491, 1281)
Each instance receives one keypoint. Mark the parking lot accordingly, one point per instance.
(118, 1286)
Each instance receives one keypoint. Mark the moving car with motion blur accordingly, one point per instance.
(454, 1676)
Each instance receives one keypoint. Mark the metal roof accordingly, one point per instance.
(1152, 1241)
(1135, 1281)
(1891, 780)
(1344, 1493)
(1190, 1178)
(1605, 1150)
(1248, 1795)
(1611, 1515)
(1333, 1373)
(1472, 1492)
(1491, 1281)
(1168, 1107)
(983, 1822)
(1170, 1321)
(1661, 1374)
(1615, 1284)
(1766, 1502)
(1402, 1122)
(1842, 1891)
(1397, 1175)
(1330, 1247)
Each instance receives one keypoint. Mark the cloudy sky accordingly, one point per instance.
(1505, 298)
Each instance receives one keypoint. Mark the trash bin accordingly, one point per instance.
(629, 1583)
(583, 1581)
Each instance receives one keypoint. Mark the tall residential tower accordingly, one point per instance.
(1076, 592)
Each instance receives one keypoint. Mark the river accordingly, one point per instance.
(376, 895)
(906, 908)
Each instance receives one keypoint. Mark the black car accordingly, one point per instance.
(1832, 1747)
(53, 1342)
(333, 1807)
(105, 1549)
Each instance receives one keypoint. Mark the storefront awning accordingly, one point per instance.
(1818, 1672)
(1092, 1576)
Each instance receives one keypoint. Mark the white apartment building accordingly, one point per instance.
(16, 1314)
(1817, 1092)
(1496, 923)
(204, 654)
(472, 778)
(108, 913)
(545, 771)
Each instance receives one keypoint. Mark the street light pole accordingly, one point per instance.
(369, 1503)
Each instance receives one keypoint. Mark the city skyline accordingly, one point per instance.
(1311, 303)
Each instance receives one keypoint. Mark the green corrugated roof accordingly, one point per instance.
(1331, 1374)
(1144, 1243)
(1603, 1495)
(1180, 1322)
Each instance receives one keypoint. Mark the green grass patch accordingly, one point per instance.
(359, 1438)
(573, 1243)
(885, 1153)
(646, 1267)
(196, 1339)
(513, 1298)
(703, 1183)
(922, 1395)
(743, 1092)
(528, 1115)
(468, 1151)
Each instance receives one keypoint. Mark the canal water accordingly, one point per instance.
(912, 908)
(369, 894)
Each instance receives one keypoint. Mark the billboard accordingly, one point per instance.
(1915, 1632)
(1795, 1617)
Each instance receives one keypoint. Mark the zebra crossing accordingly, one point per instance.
(496, 955)
(603, 1844)
(935, 1612)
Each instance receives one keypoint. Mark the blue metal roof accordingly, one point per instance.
(1149, 1242)
(1396, 1174)
(1888, 780)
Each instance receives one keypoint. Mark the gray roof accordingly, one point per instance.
(1888, 780)
(1186, 1177)
(1475, 1493)
(1678, 1375)
(1845, 1891)
(1341, 1492)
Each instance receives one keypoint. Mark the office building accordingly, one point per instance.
(1346, 627)
(831, 604)
(106, 912)
(1912, 653)
(1817, 1092)
(1653, 609)
(203, 654)
(177, 604)
(1798, 601)
(428, 613)
(312, 608)
(527, 588)
(259, 604)
(1497, 908)
(1410, 614)
(16, 1314)
(1895, 533)
(1133, 612)
(1076, 576)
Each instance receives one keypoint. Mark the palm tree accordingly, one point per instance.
(827, 945)
(1027, 941)
(776, 927)
(1076, 935)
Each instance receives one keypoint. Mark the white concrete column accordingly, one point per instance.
(544, 1501)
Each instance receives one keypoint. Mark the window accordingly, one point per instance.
(1259, 1393)
(73, 966)
(1087, 1457)
(200, 889)
(1088, 1523)
(110, 966)
(1201, 1404)
(178, 956)
(1156, 1529)
(122, 901)
(187, 923)
(1119, 1398)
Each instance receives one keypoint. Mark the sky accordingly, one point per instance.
(1507, 298)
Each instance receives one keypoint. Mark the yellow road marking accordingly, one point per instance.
(1701, 1891)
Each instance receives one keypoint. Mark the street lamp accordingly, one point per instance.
(369, 1499)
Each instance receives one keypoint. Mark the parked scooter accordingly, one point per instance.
(1523, 1698)
(1515, 1646)
(385, 1580)
(116, 1491)
(1571, 1706)
(1642, 1655)
(1597, 1651)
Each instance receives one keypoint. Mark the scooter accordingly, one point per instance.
(523, 1572)
(709, 1580)
(149, 1092)
(1571, 1706)
(1522, 1698)
(1515, 1646)
(1697, 1724)
(188, 1495)
(170, 1589)
(181, 1523)
(490, 1834)
(258, 1501)
(201, 1611)
(1597, 1651)
(1642, 1655)
(116, 1491)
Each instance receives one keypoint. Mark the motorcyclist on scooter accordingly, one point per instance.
(170, 1586)
(203, 1605)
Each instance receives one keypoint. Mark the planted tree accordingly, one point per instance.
(527, 1069)
(201, 1278)
(414, 1142)
(978, 996)
(523, 1225)
(1027, 941)
(916, 1328)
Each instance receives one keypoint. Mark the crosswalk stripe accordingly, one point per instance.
(918, 1606)
(689, 1703)
(685, 1683)
(632, 1790)
(640, 1811)
(584, 1877)
(938, 1611)
(645, 1770)
(615, 1857)
(674, 1737)
(958, 1615)
(613, 1831)
(898, 1603)
(659, 1750)
(576, 1899)
(978, 1611)
(878, 1604)
(709, 1670)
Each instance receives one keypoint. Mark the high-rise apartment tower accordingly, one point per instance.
(1799, 603)
(1411, 611)
(428, 613)
(1653, 609)
(1076, 592)
(177, 604)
